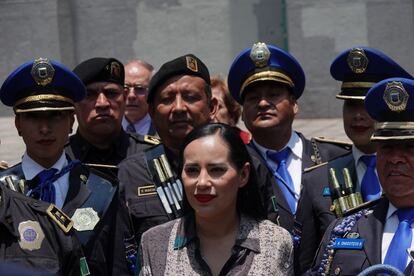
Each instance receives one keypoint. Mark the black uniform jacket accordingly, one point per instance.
(124, 145)
(315, 214)
(137, 187)
(270, 187)
(352, 261)
(105, 249)
(58, 252)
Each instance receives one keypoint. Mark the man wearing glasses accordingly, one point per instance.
(137, 77)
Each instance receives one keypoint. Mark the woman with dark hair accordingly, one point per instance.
(224, 232)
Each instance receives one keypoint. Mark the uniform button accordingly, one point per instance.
(337, 270)
(287, 265)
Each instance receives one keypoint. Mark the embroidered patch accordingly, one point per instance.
(147, 190)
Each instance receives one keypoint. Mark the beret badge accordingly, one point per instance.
(260, 54)
(357, 60)
(42, 71)
(191, 63)
(114, 69)
(395, 96)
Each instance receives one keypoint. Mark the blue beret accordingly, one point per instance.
(391, 103)
(359, 68)
(265, 63)
(41, 85)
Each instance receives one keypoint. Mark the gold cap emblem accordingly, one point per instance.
(191, 63)
(115, 69)
(42, 71)
(357, 60)
(260, 54)
(31, 235)
(395, 96)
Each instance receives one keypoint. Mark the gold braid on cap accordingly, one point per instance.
(267, 75)
(357, 84)
(394, 125)
(43, 97)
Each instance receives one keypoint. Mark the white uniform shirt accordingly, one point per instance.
(391, 225)
(142, 126)
(294, 162)
(31, 169)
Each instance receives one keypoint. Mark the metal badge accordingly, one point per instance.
(31, 235)
(85, 219)
(115, 69)
(395, 96)
(352, 235)
(357, 60)
(42, 71)
(260, 54)
(191, 63)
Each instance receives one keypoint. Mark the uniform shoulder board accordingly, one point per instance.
(152, 140)
(61, 219)
(366, 205)
(314, 167)
(341, 143)
(3, 165)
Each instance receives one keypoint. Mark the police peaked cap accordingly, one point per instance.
(265, 62)
(359, 68)
(42, 85)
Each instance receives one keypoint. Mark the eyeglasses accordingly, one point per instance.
(138, 89)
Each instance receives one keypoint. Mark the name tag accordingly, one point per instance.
(348, 243)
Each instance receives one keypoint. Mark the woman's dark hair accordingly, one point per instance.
(248, 199)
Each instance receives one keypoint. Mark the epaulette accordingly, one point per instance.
(365, 205)
(341, 143)
(314, 167)
(4, 165)
(152, 140)
(61, 219)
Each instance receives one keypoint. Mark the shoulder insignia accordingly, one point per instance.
(61, 219)
(322, 139)
(364, 206)
(147, 190)
(314, 167)
(152, 140)
(4, 165)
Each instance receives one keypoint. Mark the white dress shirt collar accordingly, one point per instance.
(31, 168)
(294, 143)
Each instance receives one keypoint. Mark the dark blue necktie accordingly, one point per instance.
(397, 251)
(287, 187)
(370, 187)
(45, 190)
(131, 128)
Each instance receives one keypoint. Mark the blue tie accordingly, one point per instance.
(131, 128)
(397, 251)
(45, 190)
(287, 187)
(370, 187)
